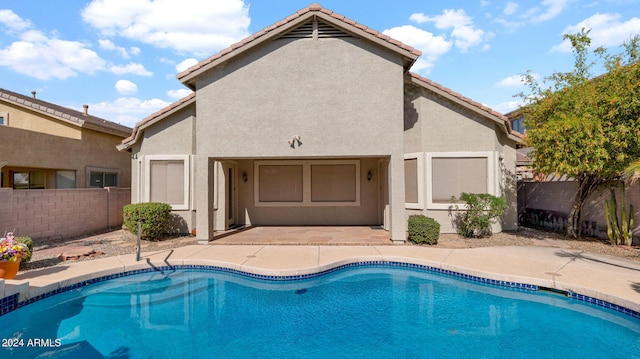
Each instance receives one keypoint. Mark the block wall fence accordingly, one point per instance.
(546, 205)
(59, 213)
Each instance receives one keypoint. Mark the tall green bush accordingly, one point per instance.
(482, 210)
(153, 216)
(423, 230)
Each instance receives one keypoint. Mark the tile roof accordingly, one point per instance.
(471, 104)
(153, 117)
(314, 8)
(66, 114)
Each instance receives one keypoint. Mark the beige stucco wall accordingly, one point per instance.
(367, 213)
(18, 117)
(435, 124)
(173, 135)
(24, 150)
(344, 98)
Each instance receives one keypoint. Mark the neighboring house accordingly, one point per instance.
(316, 120)
(46, 146)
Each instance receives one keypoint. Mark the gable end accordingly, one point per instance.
(315, 29)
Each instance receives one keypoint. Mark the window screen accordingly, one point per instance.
(452, 176)
(167, 182)
(411, 180)
(280, 183)
(333, 183)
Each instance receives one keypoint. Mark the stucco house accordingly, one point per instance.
(46, 146)
(316, 120)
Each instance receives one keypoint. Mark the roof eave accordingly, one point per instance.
(139, 128)
(409, 54)
(478, 108)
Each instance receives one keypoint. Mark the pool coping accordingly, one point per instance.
(502, 266)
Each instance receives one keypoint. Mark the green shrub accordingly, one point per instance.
(154, 218)
(29, 243)
(482, 210)
(423, 230)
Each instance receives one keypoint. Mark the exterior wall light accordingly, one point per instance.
(369, 176)
(244, 177)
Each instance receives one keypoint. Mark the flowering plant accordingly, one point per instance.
(11, 249)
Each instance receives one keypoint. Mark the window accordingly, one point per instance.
(451, 173)
(1, 120)
(333, 183)
(518, 125)
(167, 180)
(103, 179)
(413, 180)
(4, 118)
(29, 180)
(280, 183)
(65, 179)
(307, 183)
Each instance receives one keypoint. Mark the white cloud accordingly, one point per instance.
(510, 8)
(107, 44)
(463, 31)
(130, 68)
(194, 26)
(549, 10)
(178, 94)
(41, 57)
(186, 64)
(607, 30)
(127, 110)
(506, 107)
(126, 87)
(432, 46)
(514, 81)
(510, 26)
(13, 22)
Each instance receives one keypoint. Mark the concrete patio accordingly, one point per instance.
(607, 278)
(306, 235)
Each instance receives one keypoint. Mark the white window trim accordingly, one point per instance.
(420, 172)
(147, 177)
(492, 158)
(5, 115)
(306, 183)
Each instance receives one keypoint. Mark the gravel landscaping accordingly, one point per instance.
(52, 252)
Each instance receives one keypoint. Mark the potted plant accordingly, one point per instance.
(11, 253)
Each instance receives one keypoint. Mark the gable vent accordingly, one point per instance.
(328, 31)
(304, 31)
(315, 29)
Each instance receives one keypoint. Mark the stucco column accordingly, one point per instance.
(396, 198)
(204, 194)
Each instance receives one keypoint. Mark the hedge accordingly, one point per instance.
(423, 230)
(154, 218)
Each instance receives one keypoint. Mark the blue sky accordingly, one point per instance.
(121, 56)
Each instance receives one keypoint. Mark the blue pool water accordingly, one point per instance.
(358, 312)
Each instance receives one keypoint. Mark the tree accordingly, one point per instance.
(585, 127)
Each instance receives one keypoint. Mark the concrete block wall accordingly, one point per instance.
(547, 205)
(56, 213)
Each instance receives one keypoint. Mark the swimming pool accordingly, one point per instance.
(372, 310)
